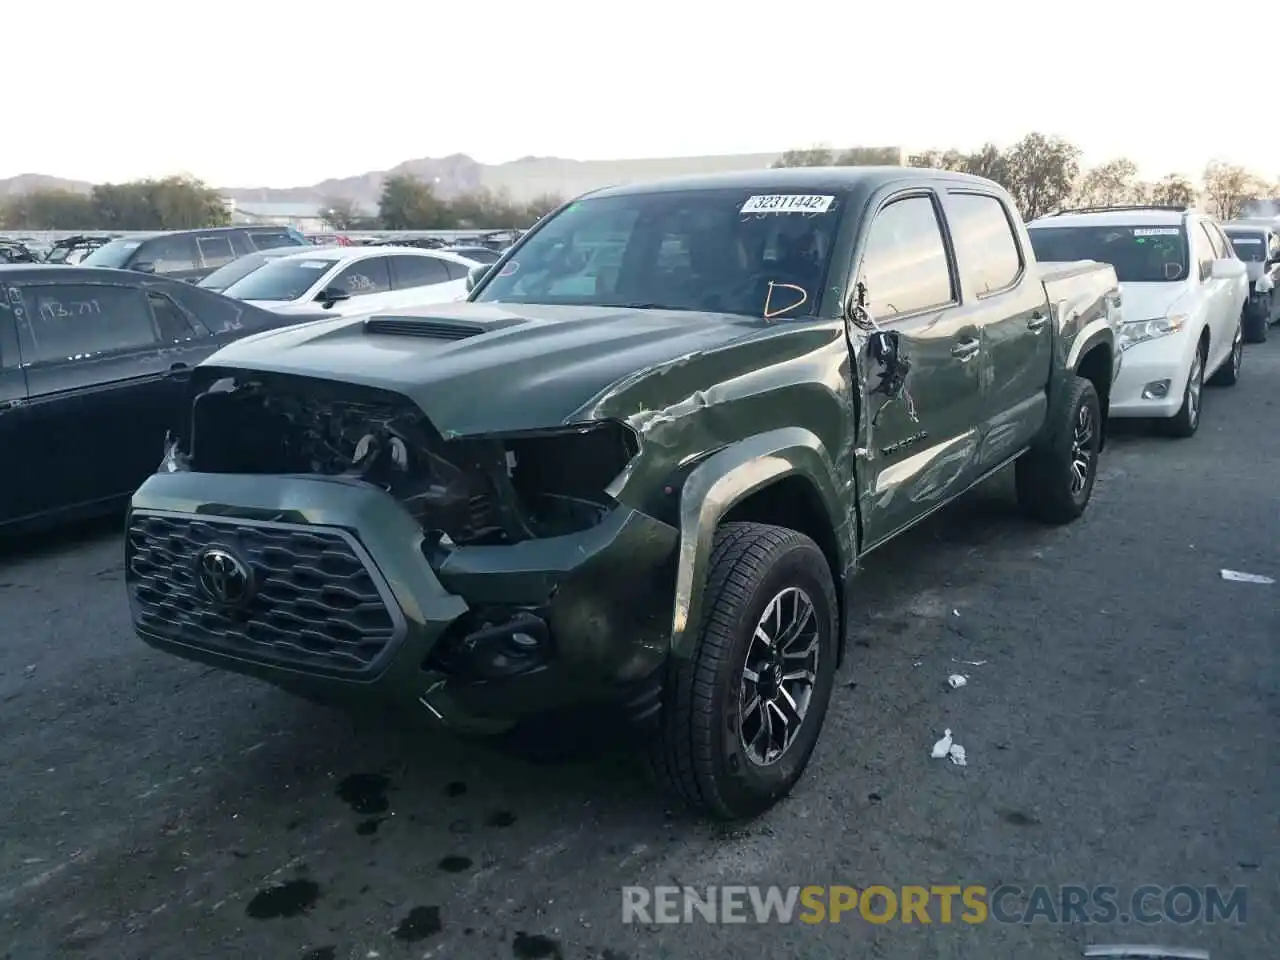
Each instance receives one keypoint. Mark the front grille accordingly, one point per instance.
(319, 606)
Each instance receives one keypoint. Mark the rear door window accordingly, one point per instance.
(173, 254)
(76, 321)
(408, 272)
(171, 322)
(989, 255)
(364, 277)
(215, 250)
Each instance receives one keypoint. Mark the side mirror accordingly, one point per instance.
(1227, 269)
(145, 266)
(476, 274)
(331, 295)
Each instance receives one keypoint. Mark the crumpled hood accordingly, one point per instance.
(537, 367)
(1150, 301)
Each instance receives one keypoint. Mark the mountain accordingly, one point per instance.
(523, 179)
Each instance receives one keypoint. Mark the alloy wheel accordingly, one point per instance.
(1081, 450)
(1194, 384)
(778, 677)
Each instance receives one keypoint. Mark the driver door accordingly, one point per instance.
(922, 426)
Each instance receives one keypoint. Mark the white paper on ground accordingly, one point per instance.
(957, 680)
(1239, 577)
(943, 746)
(956, 753)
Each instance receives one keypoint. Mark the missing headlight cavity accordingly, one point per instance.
(464, 491)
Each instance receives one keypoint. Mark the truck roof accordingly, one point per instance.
(791, 178)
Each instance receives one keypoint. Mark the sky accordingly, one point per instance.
(284, 93)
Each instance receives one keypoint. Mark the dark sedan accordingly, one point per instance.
(93, 369)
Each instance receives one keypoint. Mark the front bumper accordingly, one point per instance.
(349, 609)
(1165, 359)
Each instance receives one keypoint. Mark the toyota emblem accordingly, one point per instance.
(224, 578)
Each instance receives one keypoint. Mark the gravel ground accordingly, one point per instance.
(1118, 732)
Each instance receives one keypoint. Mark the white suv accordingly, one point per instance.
(1182, 290)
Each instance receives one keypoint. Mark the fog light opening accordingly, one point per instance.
(515, 645)
(1156, 390)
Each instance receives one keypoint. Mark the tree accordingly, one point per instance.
(408, 203)
(988, 161)
(1042, 172)
(869, 157)
(49, 210)
(341, 213)
(1110, 183)
(808, 157)
(1228, 187)
(537, 208)
(174, 203)
(1173, 190)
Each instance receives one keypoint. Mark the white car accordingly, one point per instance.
(354, 280)
(1182, 292)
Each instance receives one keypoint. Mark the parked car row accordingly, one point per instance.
(1184, 295)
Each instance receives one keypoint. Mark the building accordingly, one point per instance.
(304, 217)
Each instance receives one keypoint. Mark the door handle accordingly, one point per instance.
(1037, 322)
(965, 349)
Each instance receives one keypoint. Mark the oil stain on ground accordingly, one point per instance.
(366, 793)
(290, 899)
(455, 864)
(534, 946)
(369, 827)
(422, 922)
(500, 818)
(321, 953)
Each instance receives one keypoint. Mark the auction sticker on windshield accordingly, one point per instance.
(1156, 232)
(788, 203)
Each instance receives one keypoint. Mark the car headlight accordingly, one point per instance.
(1140, 331)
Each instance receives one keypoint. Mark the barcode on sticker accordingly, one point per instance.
(1240, 240)
(1156, 232)
(788, 203)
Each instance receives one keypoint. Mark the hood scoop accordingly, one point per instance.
(424, 327)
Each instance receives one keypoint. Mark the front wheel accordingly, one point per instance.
(1054, 479)
(742, 713)
(1186, 421)
(1229, 373)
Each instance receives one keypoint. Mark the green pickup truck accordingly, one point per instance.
(638, 467)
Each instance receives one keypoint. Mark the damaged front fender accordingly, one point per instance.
(728, 478)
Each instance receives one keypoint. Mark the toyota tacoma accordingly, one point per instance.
(639, 466)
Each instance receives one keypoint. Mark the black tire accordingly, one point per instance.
(1228, 375)
(1048, 476)
(1257, 325)
(1186, 421)
(698, 754)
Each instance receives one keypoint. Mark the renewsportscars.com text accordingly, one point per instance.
(1147, 904)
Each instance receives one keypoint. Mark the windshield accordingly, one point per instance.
(1249, 246)
(1139, 254)
(729, 251)
(280, 280)
(113, 254)
(229, 273)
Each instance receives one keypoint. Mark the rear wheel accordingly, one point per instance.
(1055, 479)
(742, 713)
